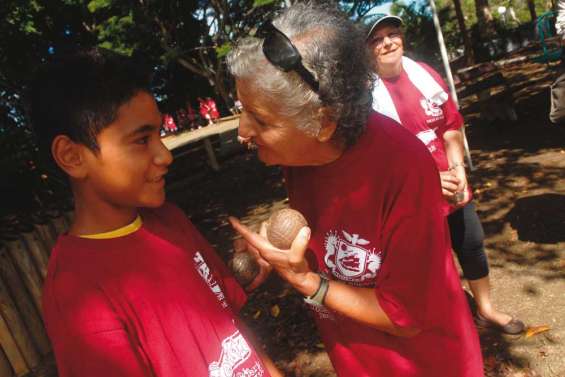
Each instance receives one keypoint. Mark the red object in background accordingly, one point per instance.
(190, 113)
(169, 123)
(212, 108)
(204, 109)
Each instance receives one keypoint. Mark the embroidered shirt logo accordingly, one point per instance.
(209, 278)
(235, 351)
(349, 260)
(430, 108)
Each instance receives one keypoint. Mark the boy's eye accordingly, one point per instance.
(143, 140)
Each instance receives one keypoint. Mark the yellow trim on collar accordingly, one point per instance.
(120, 232)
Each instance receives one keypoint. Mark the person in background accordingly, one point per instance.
(376, 265)
(205, 110)
(557, 91)
(560, 20)
(169, 124)
(191, 115)
(213, 109)
(415, 96)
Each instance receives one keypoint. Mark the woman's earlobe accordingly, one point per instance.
(327, 125)
(68, 156)
(326, 132)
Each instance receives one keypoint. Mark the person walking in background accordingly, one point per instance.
(213, 109)
(557, 91)
(205, 110)
(191, 116)
(169, 124)
(415, 96)
(560, 20)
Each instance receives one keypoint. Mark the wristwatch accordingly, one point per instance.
(320, 295)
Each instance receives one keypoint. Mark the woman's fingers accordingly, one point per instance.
(261, 276)
(263, 229)
(299, 246)
(271, 254)
(449, 183)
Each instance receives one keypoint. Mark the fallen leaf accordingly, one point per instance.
(275, 311)
(531, 331)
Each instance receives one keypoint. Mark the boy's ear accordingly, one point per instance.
(69, 156)
(327, 124)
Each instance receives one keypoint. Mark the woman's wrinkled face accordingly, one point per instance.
(278, 140)
(387, 45)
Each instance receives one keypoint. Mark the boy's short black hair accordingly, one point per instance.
(79, 95)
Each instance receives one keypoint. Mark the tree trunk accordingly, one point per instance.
(221, 89)
(469, 56)
(532, 9)
(484, 18)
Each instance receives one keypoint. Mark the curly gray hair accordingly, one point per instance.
(333, 49)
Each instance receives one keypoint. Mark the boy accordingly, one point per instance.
(133, 289)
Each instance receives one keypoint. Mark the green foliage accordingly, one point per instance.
(419, 32)
(184, 41)
(223, 50)
(260, 3)
(116, 33)
(96, 5)
(422, 39)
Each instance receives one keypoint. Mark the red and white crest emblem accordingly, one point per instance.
(349, 260)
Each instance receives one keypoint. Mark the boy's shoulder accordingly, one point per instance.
(168, 214)
(166, 211)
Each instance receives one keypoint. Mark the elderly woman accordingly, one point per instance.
(380, 278)
(414, 95)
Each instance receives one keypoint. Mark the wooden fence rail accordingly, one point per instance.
(25, 246)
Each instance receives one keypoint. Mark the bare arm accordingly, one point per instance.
(454, 148)
(360, 304)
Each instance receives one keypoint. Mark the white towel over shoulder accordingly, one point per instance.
(422, 80)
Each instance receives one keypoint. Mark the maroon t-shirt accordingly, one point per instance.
(156, 302)
(377, 222)
(425, 119)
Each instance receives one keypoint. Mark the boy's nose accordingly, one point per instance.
(163, 157)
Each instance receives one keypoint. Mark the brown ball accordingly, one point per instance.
(283, 227)
(245, 268)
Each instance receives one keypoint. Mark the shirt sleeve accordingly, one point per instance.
(109, 354)
(89, 339)
(415, 241)
(453, 118)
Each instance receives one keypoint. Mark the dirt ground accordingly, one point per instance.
(519, 185)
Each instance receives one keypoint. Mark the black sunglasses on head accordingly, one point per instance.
(280, 51)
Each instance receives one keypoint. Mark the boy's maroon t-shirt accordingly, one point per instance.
(156, 302)
(377, 223)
